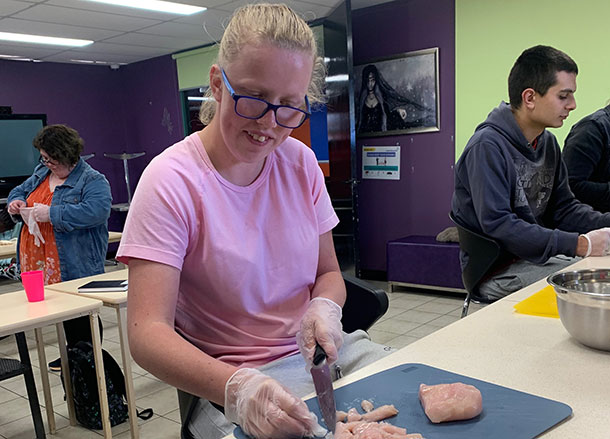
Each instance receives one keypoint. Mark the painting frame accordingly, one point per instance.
(400, 95)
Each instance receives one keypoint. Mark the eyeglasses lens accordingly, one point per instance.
(253, 108)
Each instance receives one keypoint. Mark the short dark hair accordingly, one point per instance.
(61, 143)
(537, 68)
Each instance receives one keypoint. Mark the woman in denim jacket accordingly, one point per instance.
(69, 203)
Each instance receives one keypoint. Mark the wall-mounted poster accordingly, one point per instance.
(381, 162)
(398, 95)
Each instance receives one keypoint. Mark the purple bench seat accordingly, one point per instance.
(423, 262)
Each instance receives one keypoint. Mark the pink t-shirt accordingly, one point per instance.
(248, 255)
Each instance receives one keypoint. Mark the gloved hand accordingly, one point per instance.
(265, 409)
(321, 323)
(599, 242)
(15, 206)
(41, 213)
(27, 213)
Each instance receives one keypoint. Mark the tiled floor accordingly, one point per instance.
(412, 315)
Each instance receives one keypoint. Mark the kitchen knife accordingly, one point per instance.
(320, 372)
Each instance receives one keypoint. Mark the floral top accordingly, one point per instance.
(45, 257)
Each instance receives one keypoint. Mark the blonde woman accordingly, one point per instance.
(232, 266)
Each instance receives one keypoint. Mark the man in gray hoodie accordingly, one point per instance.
(511, 183)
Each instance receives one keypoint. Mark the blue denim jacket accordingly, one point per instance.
(79, 214)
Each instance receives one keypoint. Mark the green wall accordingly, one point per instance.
(193, 66)
(490, 35)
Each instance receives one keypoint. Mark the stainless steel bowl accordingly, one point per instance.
(583, 302)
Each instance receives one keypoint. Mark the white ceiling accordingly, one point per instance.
(124, 35)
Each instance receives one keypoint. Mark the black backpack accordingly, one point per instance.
(84, 388)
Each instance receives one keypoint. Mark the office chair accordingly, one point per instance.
(483, 254)
(10, 368)
(364, 305)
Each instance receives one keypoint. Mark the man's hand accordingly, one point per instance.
(594, 243)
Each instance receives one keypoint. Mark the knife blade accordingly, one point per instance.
(323, 383)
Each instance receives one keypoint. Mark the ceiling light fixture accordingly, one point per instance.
(40, 39)
(199, 98)
(156, 5)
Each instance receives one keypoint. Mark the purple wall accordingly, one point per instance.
(152, 112)
(113, 110)
(419, 203)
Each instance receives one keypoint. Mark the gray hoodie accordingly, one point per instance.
(518, 195)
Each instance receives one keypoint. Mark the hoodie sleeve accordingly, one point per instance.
(492, 188)
(582, 154)
(566, 212)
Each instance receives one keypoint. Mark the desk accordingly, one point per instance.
(526, 353)
(18, 315)
(10, 250)
(118, 301)
(114, 237)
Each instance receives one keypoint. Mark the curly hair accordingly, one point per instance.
(61, 143)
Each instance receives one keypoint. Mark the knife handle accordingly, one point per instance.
(319, 355)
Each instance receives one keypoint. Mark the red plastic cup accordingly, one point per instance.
(33, 282)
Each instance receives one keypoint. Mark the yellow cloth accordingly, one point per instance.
(543, 303)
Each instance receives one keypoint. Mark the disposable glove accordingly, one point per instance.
(265, 409)
(599, 242)
(41, 213)
(27, 213)
(321, 323)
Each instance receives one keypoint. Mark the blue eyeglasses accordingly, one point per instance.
(255, 108)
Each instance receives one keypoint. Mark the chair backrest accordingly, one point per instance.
(482, 253)
(364, 304)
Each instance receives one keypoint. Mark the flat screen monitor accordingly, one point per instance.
(18, 157)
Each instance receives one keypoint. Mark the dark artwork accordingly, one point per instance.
(398, 95)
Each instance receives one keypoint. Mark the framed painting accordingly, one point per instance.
(398, 94)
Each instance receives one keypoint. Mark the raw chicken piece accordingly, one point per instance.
(370, 430)
(365, 426)
(353, 415)
(381, 412)
(450, 402)
(366, 405)
(342, 431)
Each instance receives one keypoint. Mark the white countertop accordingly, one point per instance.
(17, 314)
(108, 297)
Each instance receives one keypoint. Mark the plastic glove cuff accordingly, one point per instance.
(231, 387)
(589, 246)
(339, 309)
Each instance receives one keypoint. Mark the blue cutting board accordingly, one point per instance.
(507, 413)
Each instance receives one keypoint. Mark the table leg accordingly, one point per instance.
(131, 397)
(44, 375)
(24, 358)
(63, 354)
(99, 371)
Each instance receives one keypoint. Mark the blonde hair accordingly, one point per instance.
(274, 24)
